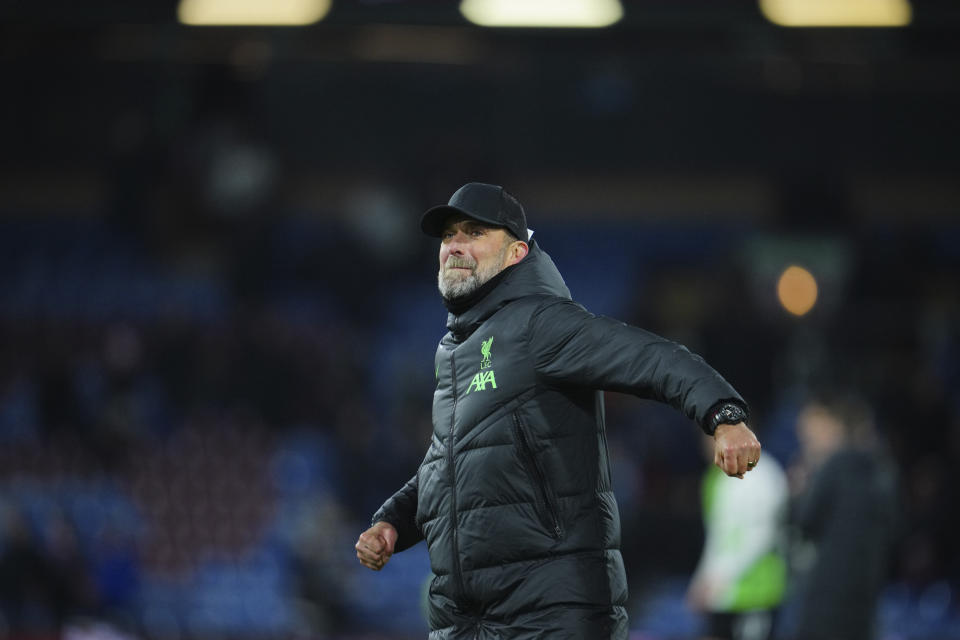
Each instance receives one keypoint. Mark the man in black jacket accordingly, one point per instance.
(514, 494)
(846, 509)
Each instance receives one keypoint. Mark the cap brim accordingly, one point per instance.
(433, 220)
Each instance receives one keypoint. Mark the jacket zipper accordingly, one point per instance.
(540, 481)
(457, 571)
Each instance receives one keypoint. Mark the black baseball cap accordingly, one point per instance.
(487, 203)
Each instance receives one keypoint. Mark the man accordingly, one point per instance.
(846, 509)
(741, 578)
(514, 495)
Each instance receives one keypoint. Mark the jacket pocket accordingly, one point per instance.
(547, 504)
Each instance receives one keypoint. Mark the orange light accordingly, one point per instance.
(797, 290)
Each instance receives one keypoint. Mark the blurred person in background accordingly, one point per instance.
(514, 495)
(845, 510)
(29, 590)
(77, 594)
(741, 577)
(318, 570)
(116, 571)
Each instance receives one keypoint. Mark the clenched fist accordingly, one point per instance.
(375, 545)
(736, 449)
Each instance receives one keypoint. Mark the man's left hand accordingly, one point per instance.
(736, 449)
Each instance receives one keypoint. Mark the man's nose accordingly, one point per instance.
(457, 243)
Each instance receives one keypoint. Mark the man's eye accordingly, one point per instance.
(476, 233)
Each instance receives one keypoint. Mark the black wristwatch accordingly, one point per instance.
(726, 413)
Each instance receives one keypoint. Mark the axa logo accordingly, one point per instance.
(484, 378)
(481, 380)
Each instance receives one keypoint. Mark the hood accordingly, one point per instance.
(536, 274)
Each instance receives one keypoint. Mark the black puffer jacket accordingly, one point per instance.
(514, 495)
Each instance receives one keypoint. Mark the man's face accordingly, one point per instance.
(820, 432)
(470, 254)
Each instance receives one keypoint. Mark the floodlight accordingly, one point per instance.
(542, 13)
(252, 12)
(837, 13)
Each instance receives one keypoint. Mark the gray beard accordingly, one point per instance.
(453, 286)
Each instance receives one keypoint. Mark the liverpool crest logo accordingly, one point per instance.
(485, 352)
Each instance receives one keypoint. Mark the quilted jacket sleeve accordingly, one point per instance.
(401, 511)
(572, 346)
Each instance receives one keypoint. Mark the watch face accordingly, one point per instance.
(731, 415)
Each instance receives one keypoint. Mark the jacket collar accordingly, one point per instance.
(536, 274)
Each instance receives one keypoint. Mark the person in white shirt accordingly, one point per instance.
(741, 577)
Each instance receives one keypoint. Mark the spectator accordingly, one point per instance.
(845, 508)
(28, 589)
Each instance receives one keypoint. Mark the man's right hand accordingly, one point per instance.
(376, 544)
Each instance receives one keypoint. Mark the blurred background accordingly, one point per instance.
(218, 316)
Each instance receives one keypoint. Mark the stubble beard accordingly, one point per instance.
(454, 284)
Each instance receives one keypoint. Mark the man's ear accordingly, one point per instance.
(517, 252)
